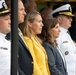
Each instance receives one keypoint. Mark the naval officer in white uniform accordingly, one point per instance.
(4, 44)
(65, 43)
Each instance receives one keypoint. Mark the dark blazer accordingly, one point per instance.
(55, 60)
(20, 72)
(25, 59)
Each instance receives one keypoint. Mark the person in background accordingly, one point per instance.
(25, 59)
(65, 43)
(45, 12)
(30, 5)
(5, 50)
(72, 29)
(56, 60)
(33, 26)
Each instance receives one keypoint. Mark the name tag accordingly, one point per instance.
(4, 48)
(65, 41)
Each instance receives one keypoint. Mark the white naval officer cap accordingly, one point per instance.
(3, 8)
(62, 10)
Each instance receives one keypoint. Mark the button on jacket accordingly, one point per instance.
(68, 48)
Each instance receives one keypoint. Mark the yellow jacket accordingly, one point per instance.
(39, 56)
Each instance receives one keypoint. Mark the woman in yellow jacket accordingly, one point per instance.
(33, 26)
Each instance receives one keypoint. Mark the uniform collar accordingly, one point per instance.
(19, 32)
(2, 35)
(63, 29)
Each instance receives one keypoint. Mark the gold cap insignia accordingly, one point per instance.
(5, 6)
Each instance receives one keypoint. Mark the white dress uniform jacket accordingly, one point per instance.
(65, 43)
(4, 55)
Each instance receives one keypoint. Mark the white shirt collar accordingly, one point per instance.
(2, 35)
(63, 29)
